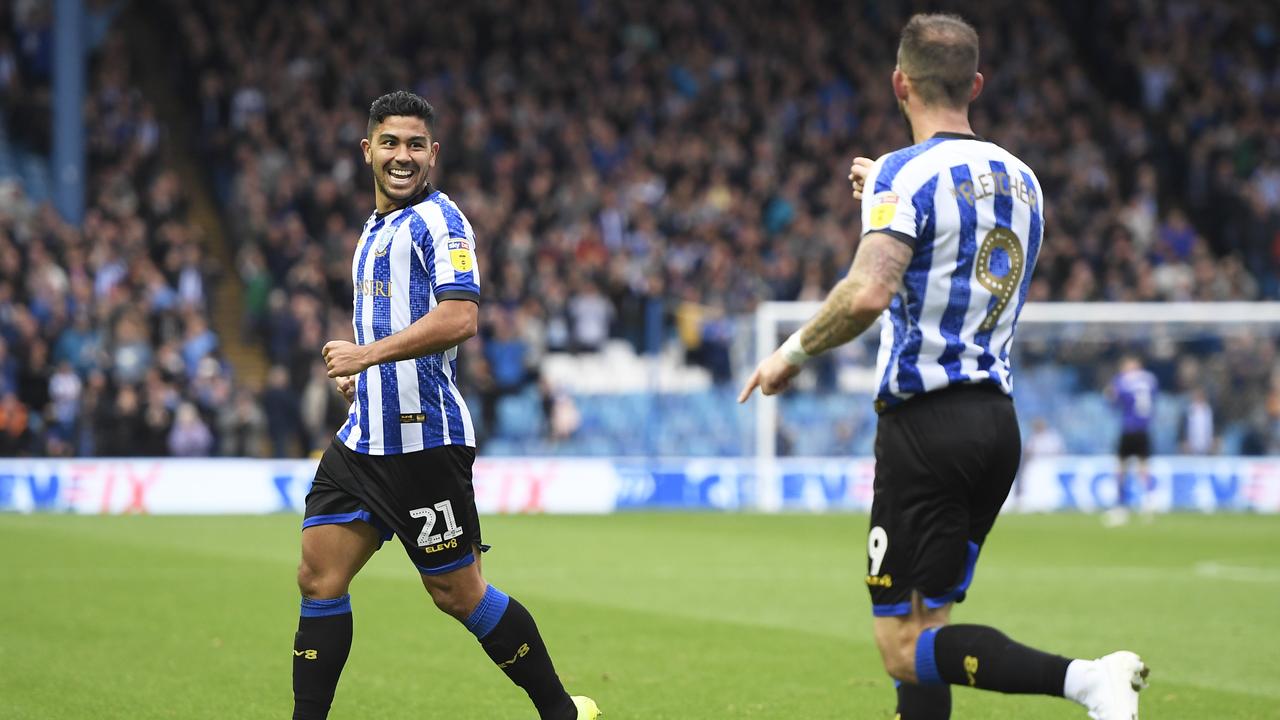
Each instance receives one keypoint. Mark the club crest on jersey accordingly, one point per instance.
(460, 255)
(381, 245)
(883, 207)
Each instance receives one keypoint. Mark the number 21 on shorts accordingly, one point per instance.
(451, 529)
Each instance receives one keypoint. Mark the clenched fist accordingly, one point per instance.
(344, 358)
(858, 172)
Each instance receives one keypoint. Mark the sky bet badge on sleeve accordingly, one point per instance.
(883, 207)
(460, 255)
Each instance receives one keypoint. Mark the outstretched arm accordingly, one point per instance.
(450, 323)
(858, 299)
(850, 308)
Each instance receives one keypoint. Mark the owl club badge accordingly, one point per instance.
(460, 255)
(883, 207)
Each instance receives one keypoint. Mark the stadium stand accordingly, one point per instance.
(641, 175)
(104, 329)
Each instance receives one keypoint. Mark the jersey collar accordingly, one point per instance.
(426, 192)
(945, 135)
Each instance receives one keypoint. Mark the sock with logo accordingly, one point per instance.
(320, 650)
(985, 658)
(510, 637)
(923, 702)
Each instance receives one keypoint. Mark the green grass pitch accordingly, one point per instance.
(657, 616)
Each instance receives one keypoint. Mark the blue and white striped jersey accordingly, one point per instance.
(406, 262)
(974, 215)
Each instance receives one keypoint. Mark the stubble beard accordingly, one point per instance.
(906, 120)
(379, 179)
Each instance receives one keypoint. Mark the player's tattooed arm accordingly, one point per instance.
(849, 309)
(857, 300)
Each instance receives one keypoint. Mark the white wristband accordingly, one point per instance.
(792, 351)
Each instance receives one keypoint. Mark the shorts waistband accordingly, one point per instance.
(958, 390)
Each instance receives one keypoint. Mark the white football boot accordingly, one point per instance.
(1108, 687)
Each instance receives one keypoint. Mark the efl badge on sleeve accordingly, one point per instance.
(883, 207)
(460, 255)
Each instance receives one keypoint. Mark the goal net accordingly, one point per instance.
(1223, 356)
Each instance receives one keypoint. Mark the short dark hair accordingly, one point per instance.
(939, 52)
(401, 102)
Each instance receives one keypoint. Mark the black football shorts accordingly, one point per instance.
(945, 462)
(1136, 444)
(425, 498)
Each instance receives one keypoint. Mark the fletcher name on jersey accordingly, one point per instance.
(971, 212)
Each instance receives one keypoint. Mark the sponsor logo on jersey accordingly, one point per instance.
(460, 255)
(374, 288)
(439, 547)
(883, 207)
(880, 580)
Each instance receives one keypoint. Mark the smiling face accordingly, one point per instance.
(401, 153)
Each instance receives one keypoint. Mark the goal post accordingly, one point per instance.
(1091, 321)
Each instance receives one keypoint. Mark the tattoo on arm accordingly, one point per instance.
(857, 300)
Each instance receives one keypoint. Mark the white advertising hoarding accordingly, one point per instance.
(583, 485)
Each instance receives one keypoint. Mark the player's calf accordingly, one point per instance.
(899, 659)
(456, 593)
(896, 637)
(508, 635)
(511, 639)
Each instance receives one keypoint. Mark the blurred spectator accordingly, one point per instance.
(198, 342)
(257, 287)
(8, 369)
(284, 419)
(120, 424)
(94, 404)
(1045, 441)
(65, 389)
(242, 427)
(323, 409)
(505, 351)
(159, 401)
(14, 422)
(190, 437)
(33, 379)
(590, 314)
(131, 350)
(1196, 436)
(79, 344)
(560, 414)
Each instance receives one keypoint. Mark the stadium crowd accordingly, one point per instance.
(105, 345)
(631, 160)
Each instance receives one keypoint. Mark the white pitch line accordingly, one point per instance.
(1238, 573)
